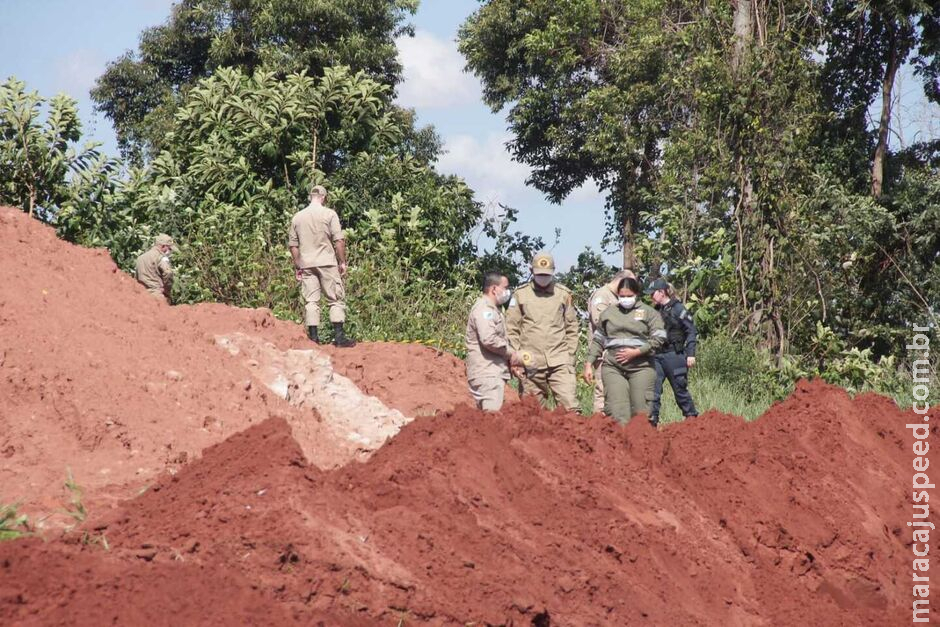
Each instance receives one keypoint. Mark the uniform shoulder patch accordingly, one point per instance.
(488, 315)
(640, 314)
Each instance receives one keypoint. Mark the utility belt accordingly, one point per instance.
(674, 348)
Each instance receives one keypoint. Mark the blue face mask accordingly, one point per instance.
(627, 302)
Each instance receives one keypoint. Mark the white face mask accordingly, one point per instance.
(543, 280)
(627, 302)
(503, 298)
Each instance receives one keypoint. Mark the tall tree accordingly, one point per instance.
(867, 43)
(41, 165)
(140, 91)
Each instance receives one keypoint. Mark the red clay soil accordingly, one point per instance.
(521, 518)
(528, 517)
(98, 377)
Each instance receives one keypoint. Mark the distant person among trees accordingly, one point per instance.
(678, 354)
(602, 298)
(489, 355)
(627, 336)
(542, 326)
(154, 270)
(318, 247)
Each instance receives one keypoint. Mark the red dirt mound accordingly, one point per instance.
(98, 377)
(529, 517)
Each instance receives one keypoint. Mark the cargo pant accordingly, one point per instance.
(488, 393)
(599, 388)
(628, 389)
(672, 365)
(558, 381)
(327, 280)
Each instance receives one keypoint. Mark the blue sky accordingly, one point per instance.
(63, 45)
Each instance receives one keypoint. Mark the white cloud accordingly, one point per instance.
(489, 169)
(485, 164)
(433, 73)
(75, 73)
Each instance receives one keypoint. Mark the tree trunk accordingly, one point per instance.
(629, 260)
(887, 86)
(743, 32)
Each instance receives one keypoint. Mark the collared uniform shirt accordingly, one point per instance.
(488, 349)
(640, 327)
(315, 230)
(544, 325)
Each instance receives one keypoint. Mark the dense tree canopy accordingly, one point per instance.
(733, 144)
(140, 91)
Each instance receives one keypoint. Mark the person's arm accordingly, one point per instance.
(293, 243)
(514, 324)
(657, 338)
(488, 333)
(596, 346)
(691, 333)
(572, 330)
(595, 350)
(340, 247)
(166, 275)
(339, 243)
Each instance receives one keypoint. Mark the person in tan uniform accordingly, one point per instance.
(318, 248)
(542, 325)
(602, 298)
(489, 355)
(154, 270)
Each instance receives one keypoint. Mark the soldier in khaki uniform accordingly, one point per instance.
(154, 270)
(542, 326)
(602, 298)
(318, 248)
(627, 337)
(489, 355)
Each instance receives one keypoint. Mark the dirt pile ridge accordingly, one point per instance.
(529, 517)
(215, 500)
(98, 377)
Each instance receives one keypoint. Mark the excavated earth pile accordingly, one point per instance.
(525, 517)
(101, 379)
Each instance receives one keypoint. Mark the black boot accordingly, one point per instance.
(313, 334)
(339, 336)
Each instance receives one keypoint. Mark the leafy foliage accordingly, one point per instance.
(140, 91)
(38, 159)
(12, 524)
(733, 144)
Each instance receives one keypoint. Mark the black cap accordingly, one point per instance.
(658, 284)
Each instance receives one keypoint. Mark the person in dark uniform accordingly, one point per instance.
(678, 354)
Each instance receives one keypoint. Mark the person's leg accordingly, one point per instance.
(642, 378)
(657, 389)
(598, 389)
(310, 288)
(616, 394)
(564, 386)
(536, 384)
(488, 393)
(335, 295)
(334, 292)
(679, 380)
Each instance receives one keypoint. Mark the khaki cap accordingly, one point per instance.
(543, 263)
(318, 190)
(164, 240)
